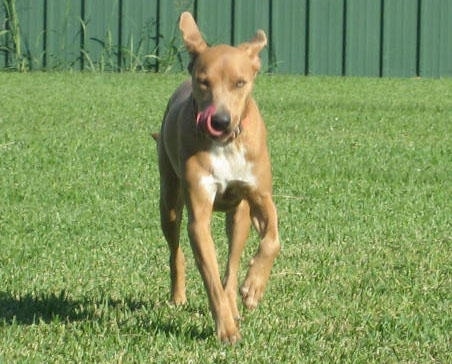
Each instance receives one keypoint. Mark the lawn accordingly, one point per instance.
(362, 181)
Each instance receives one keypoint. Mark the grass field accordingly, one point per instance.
(362, 181)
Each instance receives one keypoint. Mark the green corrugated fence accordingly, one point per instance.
(400, 38)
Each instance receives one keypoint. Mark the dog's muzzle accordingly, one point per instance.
(213, 123)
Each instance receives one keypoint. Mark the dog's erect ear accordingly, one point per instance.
(193, 40)
(254, 46)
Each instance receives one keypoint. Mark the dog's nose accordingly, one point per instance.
(221, 121)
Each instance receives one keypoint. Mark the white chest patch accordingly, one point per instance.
(229, 165)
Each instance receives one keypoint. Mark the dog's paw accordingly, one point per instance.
(231, 336)
(253, 287)
(178, 299)
(252, 291)
(227, 328)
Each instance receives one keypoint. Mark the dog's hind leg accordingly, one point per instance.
(171, 205)
(238, 224)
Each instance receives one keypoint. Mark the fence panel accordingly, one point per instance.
(402, 38)
(63, 34)
(31, 15)
(326, 27)
(362, 38)
(250, 15)
(289, 31)
(435, 58)
(139, 29)
(101, 34)
(170, 51)
(215, 20)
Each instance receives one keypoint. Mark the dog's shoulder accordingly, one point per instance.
(182, 93)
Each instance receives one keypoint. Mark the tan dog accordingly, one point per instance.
(213, 156)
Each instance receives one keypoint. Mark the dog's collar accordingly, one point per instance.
(238, 130)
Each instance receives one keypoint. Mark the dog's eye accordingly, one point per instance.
(204, 83)
(240, 83)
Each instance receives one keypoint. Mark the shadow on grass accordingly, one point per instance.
(28, 309)
(154, 318)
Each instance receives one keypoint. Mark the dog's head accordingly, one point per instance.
(222, 79)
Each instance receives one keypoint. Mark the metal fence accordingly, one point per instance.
(401, 38)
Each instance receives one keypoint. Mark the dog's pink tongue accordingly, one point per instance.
(205, 119)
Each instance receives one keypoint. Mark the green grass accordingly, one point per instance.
(362, 181)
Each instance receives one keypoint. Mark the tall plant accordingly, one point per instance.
(14, 46)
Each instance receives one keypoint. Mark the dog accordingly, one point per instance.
(213, 156)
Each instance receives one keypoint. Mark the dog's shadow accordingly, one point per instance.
(30, 309)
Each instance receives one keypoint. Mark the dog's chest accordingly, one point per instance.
(231, 173)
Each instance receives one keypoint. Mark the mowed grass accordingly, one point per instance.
(362, 180)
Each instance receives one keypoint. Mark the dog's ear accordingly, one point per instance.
(193, 40)
(254, 46)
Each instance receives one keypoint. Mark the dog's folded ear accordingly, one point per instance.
(193, 40)
(254, 46)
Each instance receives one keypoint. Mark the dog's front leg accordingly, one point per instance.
(238, 224)
(265, 220)
(200, 209)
